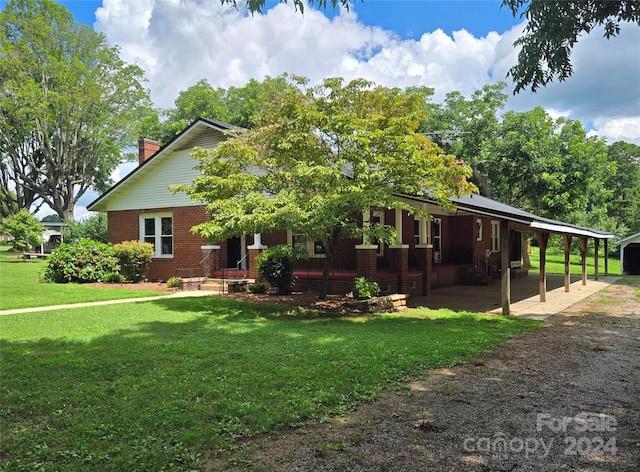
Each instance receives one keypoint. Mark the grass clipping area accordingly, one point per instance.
(168, 384)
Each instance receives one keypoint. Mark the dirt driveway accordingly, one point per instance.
(565, 397)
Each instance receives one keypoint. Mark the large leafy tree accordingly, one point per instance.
(553, 28)
(624, 184)
(546, 166)
(318, 158)
(69, 106)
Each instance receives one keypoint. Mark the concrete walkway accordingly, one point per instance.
(525, 296)
(557, 299)
(196, 293)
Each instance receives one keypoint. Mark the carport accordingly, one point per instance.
(630, 255)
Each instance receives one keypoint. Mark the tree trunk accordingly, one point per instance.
(329, 246)
(526, 261)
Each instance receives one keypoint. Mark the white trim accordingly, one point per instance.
(157, 217)
(209, 247)
(568, 229)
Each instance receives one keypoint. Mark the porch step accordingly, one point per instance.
(219, 285)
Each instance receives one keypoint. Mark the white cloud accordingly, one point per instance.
(178, 42)
(618, 129)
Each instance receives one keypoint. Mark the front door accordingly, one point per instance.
(234, 252)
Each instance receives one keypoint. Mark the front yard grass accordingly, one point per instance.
(21, 287)
(168, 384)
(555, 263)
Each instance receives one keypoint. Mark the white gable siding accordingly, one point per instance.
(150, 188)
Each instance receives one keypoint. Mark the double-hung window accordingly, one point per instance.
(157, 229)
(495, 236)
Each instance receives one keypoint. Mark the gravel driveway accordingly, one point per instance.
(565, 397)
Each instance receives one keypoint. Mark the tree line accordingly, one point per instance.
(70, 106)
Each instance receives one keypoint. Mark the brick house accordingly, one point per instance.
(477, 242)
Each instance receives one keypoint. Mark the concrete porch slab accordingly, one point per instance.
(525, 296)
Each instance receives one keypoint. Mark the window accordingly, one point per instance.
(314, 248)
(479, 229)
(416, 231)
(495, 236)
(299, 240)
(436, 228)
(158, 230)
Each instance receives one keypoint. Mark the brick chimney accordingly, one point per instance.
(146, 149)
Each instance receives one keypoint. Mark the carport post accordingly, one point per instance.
(543, 239)
(566, 241)
(505, 264)
(596, 245)
(583, 252)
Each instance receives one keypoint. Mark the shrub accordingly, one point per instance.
(258, 287)
(276, 265)
(84, 261)
(174, 282)
(113, 278)
(365, 289)
(134, 258)
(25, 229)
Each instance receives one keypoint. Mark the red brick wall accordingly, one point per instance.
(125, 226)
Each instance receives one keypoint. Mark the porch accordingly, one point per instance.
(525, 296)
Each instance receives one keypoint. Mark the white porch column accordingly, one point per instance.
(424, 236)
(366, 222)
(257, 242)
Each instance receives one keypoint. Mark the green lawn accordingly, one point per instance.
(555, 264)
(168, 384)
(21, 286)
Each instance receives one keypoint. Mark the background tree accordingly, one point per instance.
(69, 105)
(238, 106)
(25, 229)
(318, 158)
(545, 166)
(553, 28)
(624, 185)
(93, 227)
(461, 126)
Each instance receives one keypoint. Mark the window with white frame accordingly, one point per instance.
(416, 230)
(157, 229)
(436, 229)
(479, 229)
(495, 236)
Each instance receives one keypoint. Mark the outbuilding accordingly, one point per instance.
(630, 255)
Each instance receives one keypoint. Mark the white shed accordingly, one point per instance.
(630, 255)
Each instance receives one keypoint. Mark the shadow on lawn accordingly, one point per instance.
(159, 394)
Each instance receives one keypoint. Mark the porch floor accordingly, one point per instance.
(525, 296)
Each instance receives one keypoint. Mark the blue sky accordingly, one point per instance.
(450, 45)
(407, 18)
